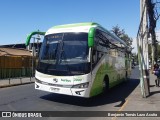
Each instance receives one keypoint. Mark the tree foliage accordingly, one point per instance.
(122, 35)
(117, 31)
(150, 51)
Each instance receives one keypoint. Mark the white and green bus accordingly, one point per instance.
(82, 59)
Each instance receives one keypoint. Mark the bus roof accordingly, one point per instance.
(77, 25)
(86, 26)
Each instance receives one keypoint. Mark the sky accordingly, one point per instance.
(18, 18)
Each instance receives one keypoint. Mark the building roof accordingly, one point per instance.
(13, 51)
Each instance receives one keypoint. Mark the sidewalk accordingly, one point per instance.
(137, 103)
(15, 81)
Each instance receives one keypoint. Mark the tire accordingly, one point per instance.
(126, 77)
(105, 84)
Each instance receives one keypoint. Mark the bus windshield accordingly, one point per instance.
(64, 54)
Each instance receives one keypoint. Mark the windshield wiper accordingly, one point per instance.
(65, 58)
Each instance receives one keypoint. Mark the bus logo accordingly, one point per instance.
(55, 80)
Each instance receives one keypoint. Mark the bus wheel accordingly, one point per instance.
(126, 76)
(105, 84)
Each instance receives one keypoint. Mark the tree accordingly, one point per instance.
(135, 57)
(122, 35)
(117, 31)
(150, 51)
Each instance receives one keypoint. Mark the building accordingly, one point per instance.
(18, 49)
(16, 61)
(14, 52)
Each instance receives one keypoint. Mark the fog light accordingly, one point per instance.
(37, 86)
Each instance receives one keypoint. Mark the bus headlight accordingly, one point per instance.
(83, 85)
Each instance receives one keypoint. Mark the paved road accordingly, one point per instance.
(26, 98)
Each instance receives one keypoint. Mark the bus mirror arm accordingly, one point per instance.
(91, 60)
(31, 34)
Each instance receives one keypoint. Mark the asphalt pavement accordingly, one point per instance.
(126, 97)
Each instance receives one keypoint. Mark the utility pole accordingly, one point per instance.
(143, 50)
(38, 49)
(33, 56)
(34, 53)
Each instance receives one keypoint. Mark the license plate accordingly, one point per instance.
(54, 89)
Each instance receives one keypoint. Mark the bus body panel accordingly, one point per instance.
(113, 67)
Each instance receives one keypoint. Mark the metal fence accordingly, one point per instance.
(16, 66)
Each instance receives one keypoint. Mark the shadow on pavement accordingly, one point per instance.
(116, 94)
(152, 85)
(154, 92)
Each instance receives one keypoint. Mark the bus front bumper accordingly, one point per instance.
(80, 92)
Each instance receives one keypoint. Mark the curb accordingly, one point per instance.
(10, 85)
